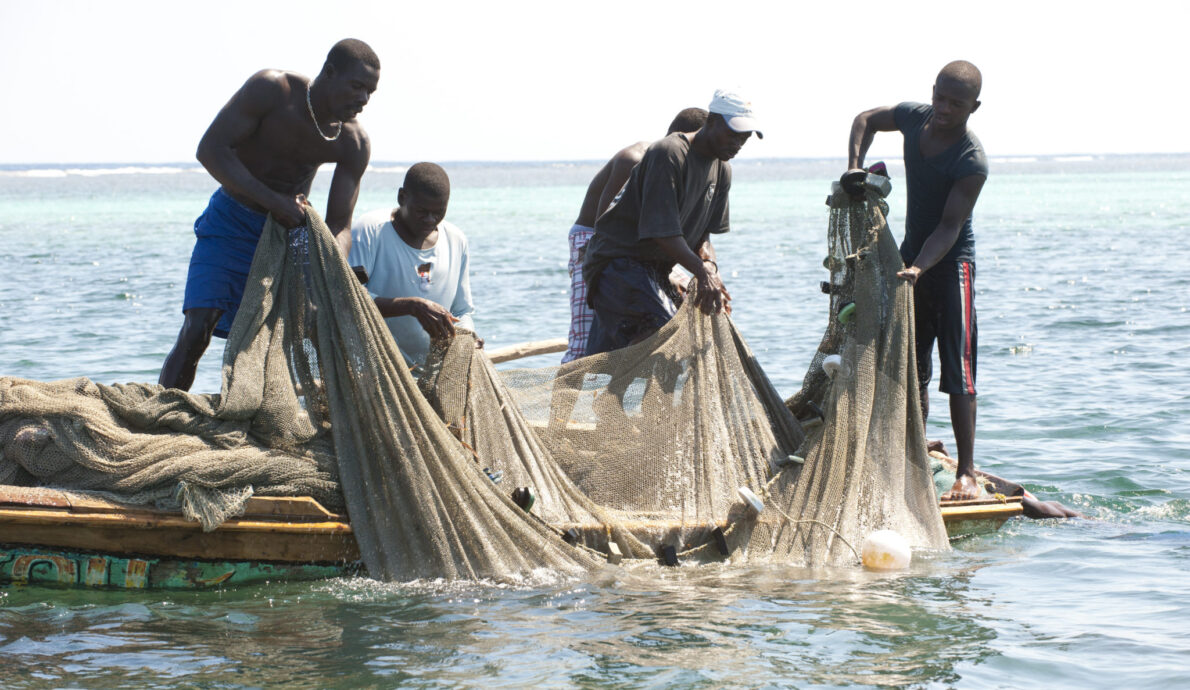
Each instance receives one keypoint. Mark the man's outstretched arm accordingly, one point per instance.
(863, 131)
(238, 119)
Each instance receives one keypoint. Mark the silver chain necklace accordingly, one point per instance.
(310, 107)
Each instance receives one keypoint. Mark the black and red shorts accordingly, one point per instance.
(944, 311)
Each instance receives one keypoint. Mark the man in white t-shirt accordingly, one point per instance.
(416, 263)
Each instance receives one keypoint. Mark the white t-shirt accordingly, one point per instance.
(395, 269)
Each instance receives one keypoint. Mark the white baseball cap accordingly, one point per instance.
(736, 111)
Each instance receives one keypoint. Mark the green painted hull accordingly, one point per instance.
(21, 565)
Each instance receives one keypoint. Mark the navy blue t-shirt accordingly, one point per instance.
(929, 181)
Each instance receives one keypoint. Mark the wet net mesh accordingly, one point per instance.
(314, 392)
(866, 464)
(641, 452)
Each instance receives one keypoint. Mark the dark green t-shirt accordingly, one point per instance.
(673, 192)
(929, 181)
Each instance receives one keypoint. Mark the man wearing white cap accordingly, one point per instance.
(675, 198)
(603, 189)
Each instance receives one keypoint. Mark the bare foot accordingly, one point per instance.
(965, 488)
(936, 447)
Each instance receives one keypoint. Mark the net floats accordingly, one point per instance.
(524, 498)
(721, 541)
(751, 499)
(832, 365)
(885, 550)
(846, 313)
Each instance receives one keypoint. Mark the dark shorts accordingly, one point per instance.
(227, 234)
(944, 310)
(631, 300)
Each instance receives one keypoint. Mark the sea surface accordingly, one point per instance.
(1084, 397)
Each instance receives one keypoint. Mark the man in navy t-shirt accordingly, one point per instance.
(945, 167)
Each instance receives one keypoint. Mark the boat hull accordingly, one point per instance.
(50, 537)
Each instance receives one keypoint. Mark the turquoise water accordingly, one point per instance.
(1084, 382)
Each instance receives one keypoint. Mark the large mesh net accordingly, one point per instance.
(650, 451)
(866, 464)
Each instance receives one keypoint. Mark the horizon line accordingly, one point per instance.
(480, 161)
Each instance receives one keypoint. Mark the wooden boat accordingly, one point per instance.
(52, 537)
(69, 539)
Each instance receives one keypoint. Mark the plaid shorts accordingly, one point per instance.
(580, 313)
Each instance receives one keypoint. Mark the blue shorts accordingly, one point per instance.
(631, 300)
(227, 234)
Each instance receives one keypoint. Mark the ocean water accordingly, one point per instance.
(1084, 396)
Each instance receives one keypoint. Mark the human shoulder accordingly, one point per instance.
(268, 88)
(910, 114)
(673, 148)
(453, 234)
(678, 141)
(630, 155)
(971, 160)
(372, 223)
(278, 82)
(356, 139)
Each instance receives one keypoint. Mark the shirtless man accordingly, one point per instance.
(946, 168)
(264, 148)
(603, 189)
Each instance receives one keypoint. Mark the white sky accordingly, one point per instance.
(122, 81)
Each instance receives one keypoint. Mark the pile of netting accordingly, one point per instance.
(655, 451)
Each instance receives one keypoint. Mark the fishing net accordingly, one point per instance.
(866, 464)
(651, 451)
(645, 447)
(313, 386)
(648, 447)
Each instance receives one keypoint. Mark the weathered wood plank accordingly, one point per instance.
(291, 507)
(325, 546)
(536, 347)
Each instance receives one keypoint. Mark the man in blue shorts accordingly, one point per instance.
(674, 199)
(946, 168)
(264, 148)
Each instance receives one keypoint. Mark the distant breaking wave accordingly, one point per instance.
(99, 171)
(486, 173)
